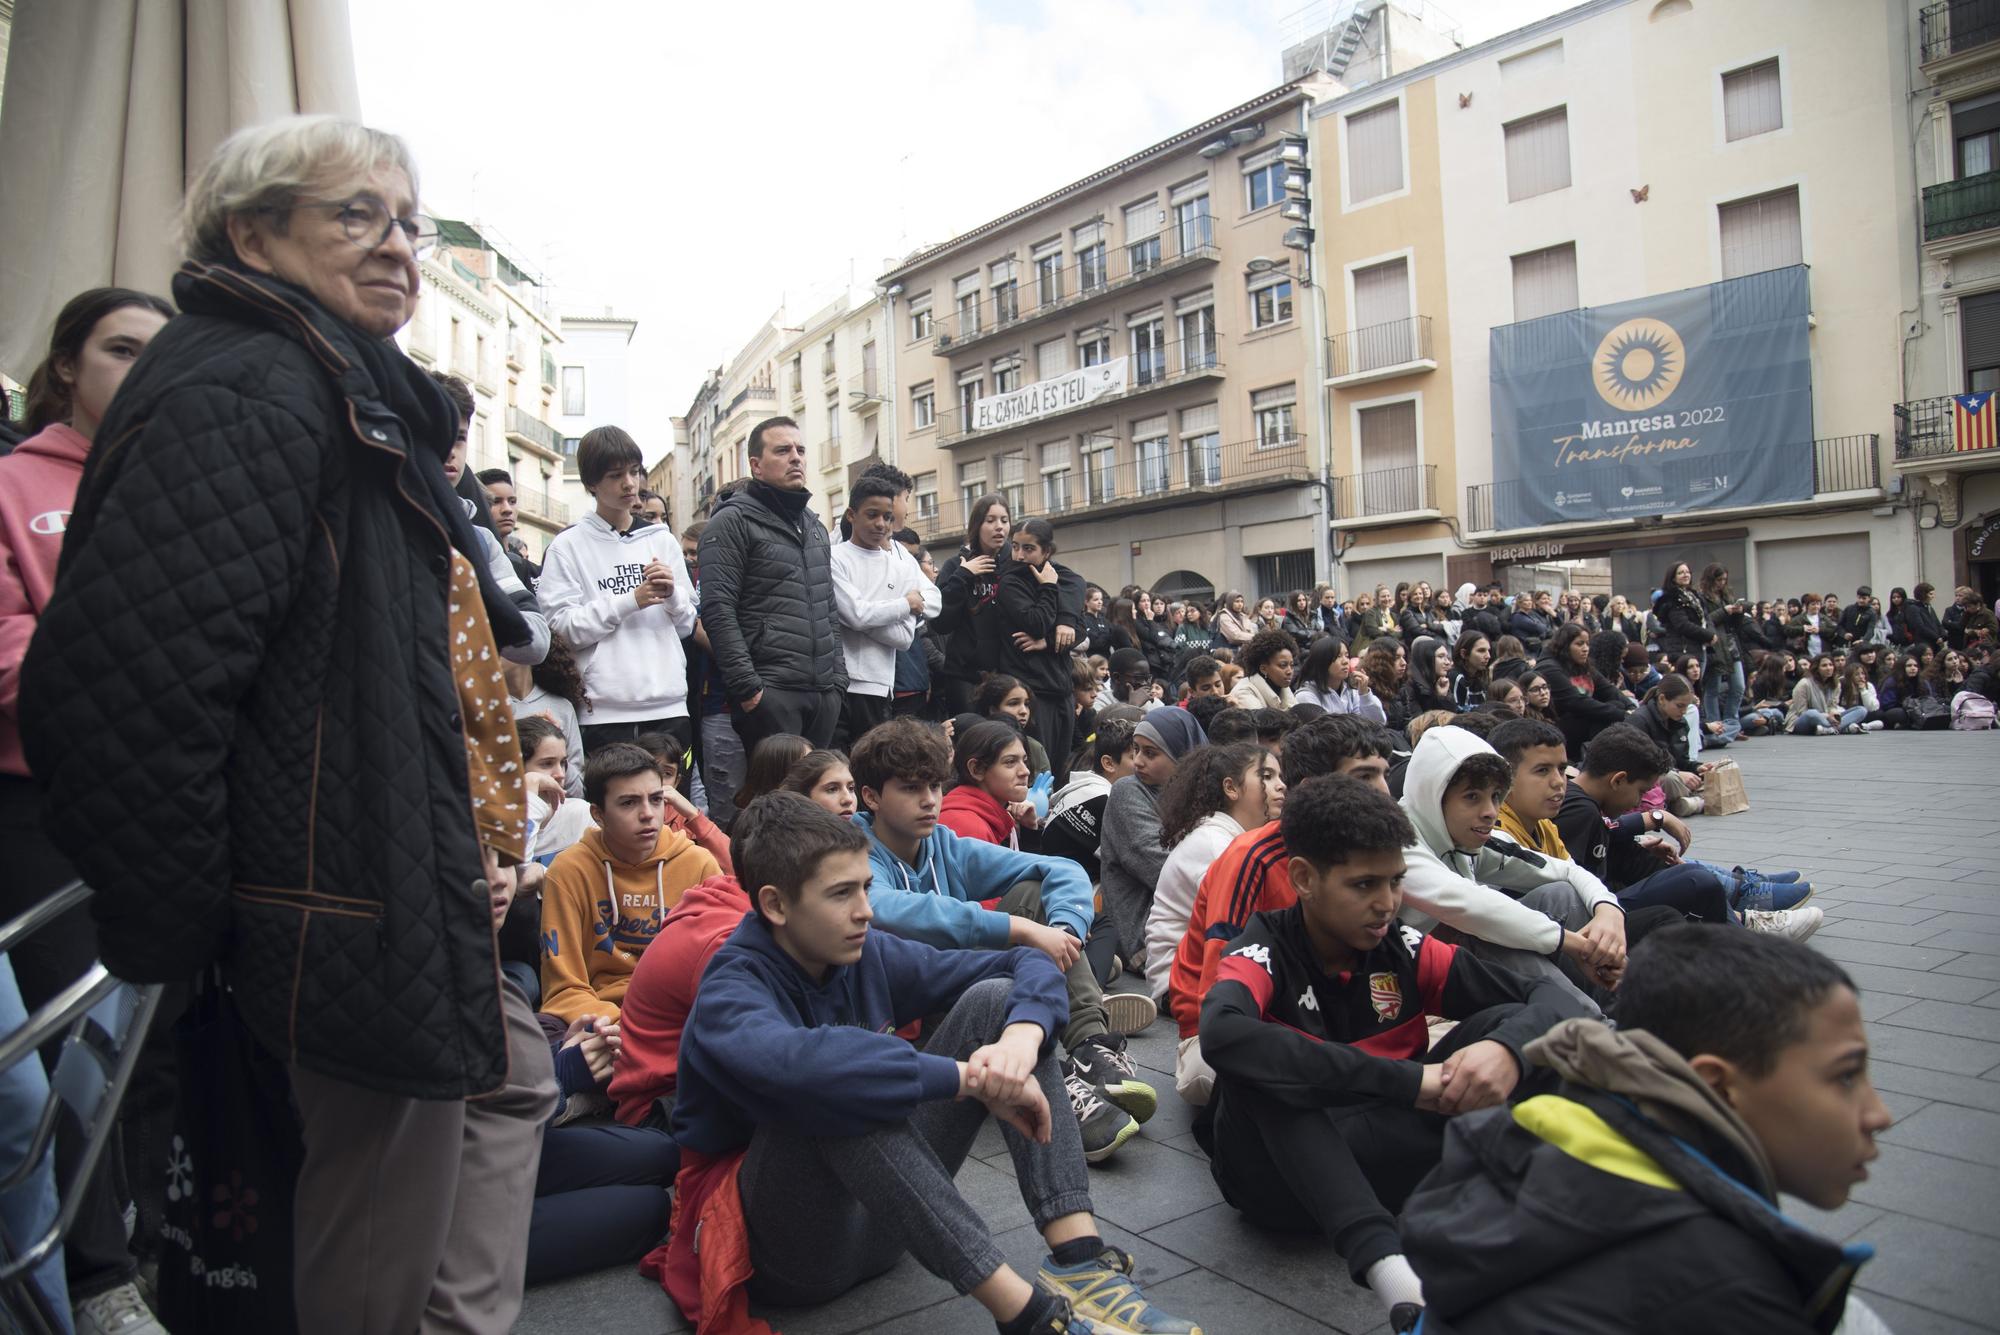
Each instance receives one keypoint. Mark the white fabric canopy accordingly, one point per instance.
(110, 107)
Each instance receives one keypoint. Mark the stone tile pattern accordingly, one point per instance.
(1900, 835)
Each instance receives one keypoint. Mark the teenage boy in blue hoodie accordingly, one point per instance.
(617, 589)
(930, 885)
(850, 1136)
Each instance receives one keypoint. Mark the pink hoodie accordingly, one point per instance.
(38, 484)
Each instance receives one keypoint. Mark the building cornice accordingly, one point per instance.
(460, 291)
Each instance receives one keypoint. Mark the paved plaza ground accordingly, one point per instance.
(1901, 835)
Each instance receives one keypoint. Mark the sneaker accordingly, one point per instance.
(1689, 806)
(1781, 877)
(1754, 892)
(1129, 1012)
(1797, 924)
(1852, 730)
(1104, 1127)
(1107, 1066)
(119, 1311)
(1403, 1318)
(1062, 1321)
(1102, 1290)
(1826, 730)
(1875, 726)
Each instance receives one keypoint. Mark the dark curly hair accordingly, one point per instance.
(902, 748)
(1195, 791)
(558, 674)
(1330, 817)
(1262, 647)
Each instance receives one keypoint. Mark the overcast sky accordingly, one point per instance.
(696, 167)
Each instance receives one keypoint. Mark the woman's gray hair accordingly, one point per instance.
(272, 166)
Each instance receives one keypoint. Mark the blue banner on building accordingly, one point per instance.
(1684, 401)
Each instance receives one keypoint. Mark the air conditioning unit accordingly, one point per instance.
(944, 340)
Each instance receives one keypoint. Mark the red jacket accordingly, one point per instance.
(37, 487)
(970, 812)
(661, 993)
(704, 1265)
(1251, 876)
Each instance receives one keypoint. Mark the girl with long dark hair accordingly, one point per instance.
(988, 795)
(1583, 702)
(1215, 794)
(1472, 663)
(969, 588)
(1040, 604)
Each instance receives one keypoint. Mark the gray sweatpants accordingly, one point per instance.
(1558, 899)
(827, 1212)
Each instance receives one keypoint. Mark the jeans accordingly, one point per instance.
(1722, 698)
(1689, 887)
(29, 1209)
(1811, 719)
(601, 1197)
(722, 765)
(1773, 716)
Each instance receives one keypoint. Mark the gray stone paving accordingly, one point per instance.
(1900, 833)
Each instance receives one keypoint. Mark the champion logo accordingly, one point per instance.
(49, 523)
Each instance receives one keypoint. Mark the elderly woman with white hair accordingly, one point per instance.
(264, 705)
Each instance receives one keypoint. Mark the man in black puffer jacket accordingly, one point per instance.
(767, 597)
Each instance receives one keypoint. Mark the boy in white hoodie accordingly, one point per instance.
(618, 591)
(1471, 886)
(881, 597)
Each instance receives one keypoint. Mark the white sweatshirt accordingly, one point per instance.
(633, 668)
(1173, 894)
(871, 597)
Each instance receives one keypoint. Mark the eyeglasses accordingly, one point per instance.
(367, 222)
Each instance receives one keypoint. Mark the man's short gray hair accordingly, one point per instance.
(271, 166)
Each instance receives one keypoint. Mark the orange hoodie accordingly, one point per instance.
(599, 915)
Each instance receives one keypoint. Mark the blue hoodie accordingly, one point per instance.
(765, 1044)
(937, 901)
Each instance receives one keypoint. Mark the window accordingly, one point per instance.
(1201, 446)
(1149, 349)
(1384, 333)
(1545, 282)
(1387, 451)
(1761, 233)
(826, 367)
(1263, 181)
(1100, 469)
(1006, 375)
(923, 407)
(797, 379)
(572, 391)
(1751, 101)
(1012, 468)
(1149, 443)
(1193, 229)
(1195, 322)
(1051, 358)
(485, 368)
(1048, 260)
(1006, 293)
(967, 289)
(1537, 154)
(971, 388)
(1270, 300)
(925, 496)
(1142, 239)
(1056, 459)
(833, 424)
(920, 317)
(1089, 244)
(1093, 348)
(1375, 152)
(1282, 572)
(1273, 409)
(971, 483)
(1979, 341)
(1975, 130)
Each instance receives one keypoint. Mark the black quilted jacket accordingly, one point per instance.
(767, 600)
(240, 702)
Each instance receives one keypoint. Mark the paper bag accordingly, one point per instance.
(1722, 791)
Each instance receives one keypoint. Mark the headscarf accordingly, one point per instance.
(1172, 729)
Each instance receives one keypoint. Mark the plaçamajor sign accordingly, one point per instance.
(1046, 398)
(1687, 400)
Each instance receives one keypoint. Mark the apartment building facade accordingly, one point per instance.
(1945, 448)
(486, 319)
(740, 394)
(834, 381)
(1130, 358)
(1481, 215)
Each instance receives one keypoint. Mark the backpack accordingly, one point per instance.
(1971, 712)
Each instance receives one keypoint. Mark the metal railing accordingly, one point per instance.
(1030, 299)
(1385, 491)
(1113, 472)
(1957, 208)
(1377, 347)
(1155, 367)
(527, 426)
(1924, 430)
(540, 504)
(1953, 26)
(866, 388)
(766, 393)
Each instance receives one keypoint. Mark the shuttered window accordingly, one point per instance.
(1761, 233)
(1979, 331)
(1375, 152)
(1051, 358)
(1388, 436)
(1750, 101)
(1545, 282)
(1538, 154)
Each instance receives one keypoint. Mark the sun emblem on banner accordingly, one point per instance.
(1638, 364)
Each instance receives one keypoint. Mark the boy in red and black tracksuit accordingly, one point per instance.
(1329, 1107)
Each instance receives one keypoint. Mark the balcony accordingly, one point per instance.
(1032, 300)
(1926, 443)
(757, 393)
(1844, 466)
(1380, 352)
(1124, 483)
(1962, 207)
(525, 429)
(1385, 496)
(1956, 27)
(541, 508)
(1170, 364)
(865, 391)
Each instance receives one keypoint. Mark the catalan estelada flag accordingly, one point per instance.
(1972, 421)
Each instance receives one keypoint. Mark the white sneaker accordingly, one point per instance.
(1129, 1012)
(1795, 924)
(1875, 726)
(1827, 730)
(119, 1311)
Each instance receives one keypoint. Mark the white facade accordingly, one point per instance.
(593, 388)
(833, 378)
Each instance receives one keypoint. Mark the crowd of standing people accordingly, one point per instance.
(722, 883)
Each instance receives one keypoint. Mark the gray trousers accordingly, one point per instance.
(412, 1214)
(1086, 994)
(722, 766)
(1558, 899)
(827, 1212)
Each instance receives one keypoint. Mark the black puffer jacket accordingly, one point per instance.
(971, 617)
(767, 599)
(1684, 627)
(240, 699)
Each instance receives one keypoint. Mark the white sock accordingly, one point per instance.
(1394, 1282)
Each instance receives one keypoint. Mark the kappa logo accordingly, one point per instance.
(1308, 1002)
(1386, 995)
(1258, 954)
